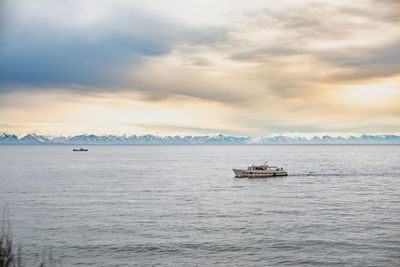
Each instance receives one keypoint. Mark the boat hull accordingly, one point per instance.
(258, 174)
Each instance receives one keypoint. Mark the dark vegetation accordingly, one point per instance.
(9, 257)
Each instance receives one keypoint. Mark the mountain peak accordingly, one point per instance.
(216, 139)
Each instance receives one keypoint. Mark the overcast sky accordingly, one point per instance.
(199, 67)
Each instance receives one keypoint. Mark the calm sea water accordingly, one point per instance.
(182, 206)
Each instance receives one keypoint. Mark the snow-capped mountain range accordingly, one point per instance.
(218, 139)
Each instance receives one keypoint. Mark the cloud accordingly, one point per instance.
(267, 66)
(54, 50)
(118, 45)
(82, 44)
(301, 49)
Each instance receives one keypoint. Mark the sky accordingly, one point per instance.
(180, 67)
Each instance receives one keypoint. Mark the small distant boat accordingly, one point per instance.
(80, 149)
(258, 171)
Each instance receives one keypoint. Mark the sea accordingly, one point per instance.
(180, 205)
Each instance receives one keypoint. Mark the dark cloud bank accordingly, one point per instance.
(56, 52)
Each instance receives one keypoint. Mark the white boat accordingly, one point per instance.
(255, 171)
(80, 149)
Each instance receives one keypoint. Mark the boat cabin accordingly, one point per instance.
(263, 168)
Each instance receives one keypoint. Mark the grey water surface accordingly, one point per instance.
(167, 205)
